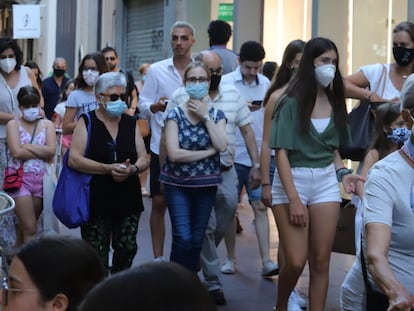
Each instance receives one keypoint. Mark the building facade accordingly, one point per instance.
(139, 29)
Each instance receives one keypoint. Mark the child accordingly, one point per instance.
(60, 112)
(31, 141)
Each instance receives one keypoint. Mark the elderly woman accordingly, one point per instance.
(387, 258)
(52, 273)
(194, 135)
(116, 156)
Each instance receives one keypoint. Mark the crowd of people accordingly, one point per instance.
(203, 127)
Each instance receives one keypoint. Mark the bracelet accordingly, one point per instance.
(264, 185)
(256, 165)
(340, 173)
(137, 169)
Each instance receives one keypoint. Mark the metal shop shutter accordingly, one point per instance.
(145, 33)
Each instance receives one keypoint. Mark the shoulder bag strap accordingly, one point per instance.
(88, 128)
(364, 269)
(34, 130)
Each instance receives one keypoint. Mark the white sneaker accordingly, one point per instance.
(229, 266)
(160, 259)
(296, 299)
(270, 268)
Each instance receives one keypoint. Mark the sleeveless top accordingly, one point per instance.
(8, 103)
(108, 198)
(33, 165)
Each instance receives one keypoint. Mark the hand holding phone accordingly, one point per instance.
(257, 102)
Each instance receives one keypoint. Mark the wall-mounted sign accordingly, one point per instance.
(225, 12)
(26, 21)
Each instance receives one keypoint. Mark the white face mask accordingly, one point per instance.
(7, 64)
(325, 74)
(31, 114)
(90, 76)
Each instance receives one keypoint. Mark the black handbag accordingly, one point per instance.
(361, 121)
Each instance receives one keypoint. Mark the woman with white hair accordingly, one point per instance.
(383, 277)
(115, 156)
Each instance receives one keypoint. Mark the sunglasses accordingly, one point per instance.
(111, 58)
(5, 289)
(195, 79)
(114, 97)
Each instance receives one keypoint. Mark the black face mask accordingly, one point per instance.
(59, 72)
(214, 82)
(402, 56)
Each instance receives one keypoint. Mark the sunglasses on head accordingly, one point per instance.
(111, 58)
(114, 97)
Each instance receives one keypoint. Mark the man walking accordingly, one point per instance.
(162, 79)
(53, 86)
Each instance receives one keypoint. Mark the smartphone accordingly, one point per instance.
(122, 165)
(257, 102)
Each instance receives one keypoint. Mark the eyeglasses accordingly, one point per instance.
(195, 79)
(90, 68)
(7, 56)
(5, 289)
(111, 58)
(114, 97)
(217, 71)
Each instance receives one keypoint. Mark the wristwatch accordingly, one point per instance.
(206, 118)
(256, 165)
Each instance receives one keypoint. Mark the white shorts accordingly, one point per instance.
(314, 185)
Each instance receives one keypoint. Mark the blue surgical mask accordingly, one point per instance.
(399, 135)
(197, 90)
(116, 108)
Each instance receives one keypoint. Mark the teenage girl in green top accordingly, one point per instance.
(309, 126)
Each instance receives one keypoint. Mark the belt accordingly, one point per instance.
(225, 168)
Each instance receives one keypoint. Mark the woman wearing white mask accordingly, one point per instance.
(31, 142)
(83, 100)
(12, 77)
(116, 155)
(309, 126)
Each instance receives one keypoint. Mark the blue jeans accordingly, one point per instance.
(189, 210)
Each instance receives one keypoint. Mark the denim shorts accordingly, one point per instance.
(243, 173)
(314, 185)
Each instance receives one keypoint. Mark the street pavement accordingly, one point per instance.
(246, 290)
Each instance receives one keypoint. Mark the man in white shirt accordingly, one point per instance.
(162, 79)
(252, 87)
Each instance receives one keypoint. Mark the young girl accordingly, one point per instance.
(60, 112)
(30, 140)
(306, 132)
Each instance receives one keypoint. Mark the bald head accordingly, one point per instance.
(210, 59)
(213, 63)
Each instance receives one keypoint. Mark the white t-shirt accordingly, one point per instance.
(387, 200)
(83, 101)
(373, 73)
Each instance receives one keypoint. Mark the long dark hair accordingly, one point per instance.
(304, 86)
(385, 114)
(284, 72)
(9, 43)
(100, 65)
